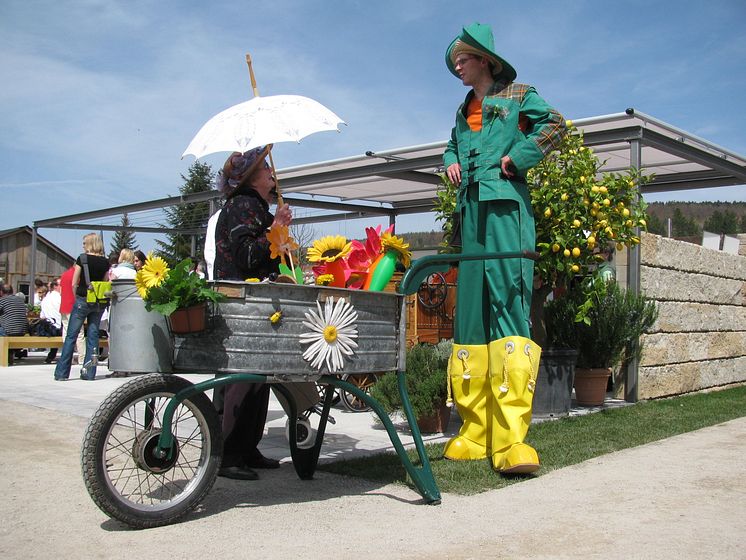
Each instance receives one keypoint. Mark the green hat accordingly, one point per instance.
(477, 39)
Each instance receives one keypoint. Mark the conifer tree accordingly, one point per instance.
(123, 238)
(178, 246)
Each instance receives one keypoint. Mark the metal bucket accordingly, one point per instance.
(242, 339)
(139, 341)
(553, 394)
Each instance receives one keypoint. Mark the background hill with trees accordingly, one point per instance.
(689, 219)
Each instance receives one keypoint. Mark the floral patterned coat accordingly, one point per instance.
(241, 245)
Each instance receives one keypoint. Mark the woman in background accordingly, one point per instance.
(90, 266)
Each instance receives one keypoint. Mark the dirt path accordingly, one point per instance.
(684, 497)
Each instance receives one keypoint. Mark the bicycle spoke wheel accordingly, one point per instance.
(124, 476)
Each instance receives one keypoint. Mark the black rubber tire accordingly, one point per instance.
(143, 493)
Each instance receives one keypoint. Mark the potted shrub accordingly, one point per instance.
(603, 322)
(427, 385)
(176, 293)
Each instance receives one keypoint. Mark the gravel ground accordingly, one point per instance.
(684, 497)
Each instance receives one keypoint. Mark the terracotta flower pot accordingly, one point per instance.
(188, 319)
(436, 423)
(590, 386)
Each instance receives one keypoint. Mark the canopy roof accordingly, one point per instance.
(404, 180)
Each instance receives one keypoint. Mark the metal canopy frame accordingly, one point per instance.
(405, 180)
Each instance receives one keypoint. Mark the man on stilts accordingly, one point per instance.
(502, 130)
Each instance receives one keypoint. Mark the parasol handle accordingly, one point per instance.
(251, 75)
(271, 161)
(277, 180)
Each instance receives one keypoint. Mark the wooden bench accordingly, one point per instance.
(9, 343)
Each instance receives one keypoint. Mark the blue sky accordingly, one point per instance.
(101, 97)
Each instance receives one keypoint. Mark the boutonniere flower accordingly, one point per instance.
(495, 111)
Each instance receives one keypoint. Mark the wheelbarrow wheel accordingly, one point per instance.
(305, 434)
(120, 469)
(364, 382)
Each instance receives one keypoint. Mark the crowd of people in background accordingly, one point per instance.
(54, 302)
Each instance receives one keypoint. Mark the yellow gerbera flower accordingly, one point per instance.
(329, 249)
(280, 242)
(154, 271)
(389, 241)
(142, 289)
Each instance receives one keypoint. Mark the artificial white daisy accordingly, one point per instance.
(332, 332)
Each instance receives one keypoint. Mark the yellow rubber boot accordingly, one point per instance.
(514, 365)
(467, 373)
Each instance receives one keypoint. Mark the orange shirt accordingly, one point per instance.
(474, 114)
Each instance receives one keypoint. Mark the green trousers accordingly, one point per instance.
(494, 297)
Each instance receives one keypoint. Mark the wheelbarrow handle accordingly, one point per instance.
(425, 266)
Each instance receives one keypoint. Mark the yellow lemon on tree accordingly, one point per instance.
(591, 240)
(575, 268)
(564, 197)
(643, 223)
(582, 178)
(625, 212)
(547, 212)
(575, 252)
(566, 252)
(619, 246)
(594, 188)
(607, 202)
(603, 189)
(576, 223)
(556, 248)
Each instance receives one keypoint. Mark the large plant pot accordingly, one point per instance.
(139, 341)
(188, 319)
(436, 423)
(590, 386)
(553, 394)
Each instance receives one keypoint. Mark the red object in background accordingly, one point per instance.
(67, 295)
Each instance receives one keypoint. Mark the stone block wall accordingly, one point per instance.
(699, 339)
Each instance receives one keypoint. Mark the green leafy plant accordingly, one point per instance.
(445, 206)
(578, 209)
(165, 290)
(427, 379)
(608, 332)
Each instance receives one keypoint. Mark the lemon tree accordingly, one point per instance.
(579, 210)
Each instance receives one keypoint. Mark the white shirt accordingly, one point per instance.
(50, 308)
(212, 224)
(122, 272)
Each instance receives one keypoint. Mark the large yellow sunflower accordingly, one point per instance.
(389, 241)
(154, 271)
(329, 249)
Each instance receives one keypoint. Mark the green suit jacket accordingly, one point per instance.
(500, 136)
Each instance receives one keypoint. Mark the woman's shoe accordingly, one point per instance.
(238, 473)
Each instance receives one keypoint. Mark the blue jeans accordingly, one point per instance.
(82, 310)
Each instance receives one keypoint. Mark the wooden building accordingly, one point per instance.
(15, 259)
